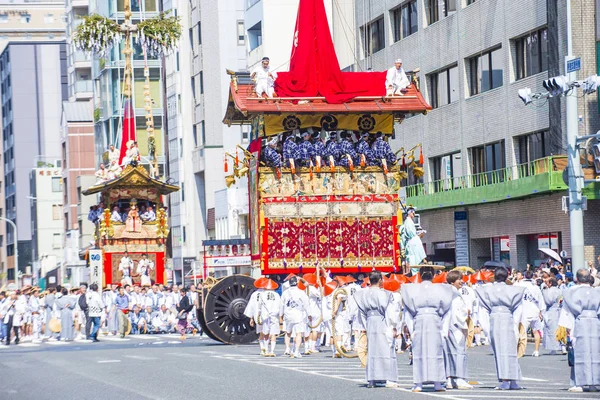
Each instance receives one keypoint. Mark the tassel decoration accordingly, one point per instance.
(421, 158)
(225, 164)
(404, 161)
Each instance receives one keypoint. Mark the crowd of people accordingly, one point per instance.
(85, 313)
(113, 168)
(145, 213)
(309, 148)
(437, 322)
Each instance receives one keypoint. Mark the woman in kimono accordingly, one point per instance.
(580, 313)
(65, 306)
(411, 241)
(503, 303)
(552, 296)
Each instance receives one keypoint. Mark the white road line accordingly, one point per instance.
(108, 361)
(158, 343)
(115, 339)
(533, 379)
(143, 358)
(29, 345)
(56, 343)
(174, 342)
(142, 337)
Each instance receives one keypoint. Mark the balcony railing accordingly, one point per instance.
(539, 176)
(84, 86)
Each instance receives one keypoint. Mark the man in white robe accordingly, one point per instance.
(455, 349)
(126, 266)
(294, 312)
(264, 78)
(252, 311)
(411, 241)
(533, 307)
(113, 154)
(269, 307)
(396, 80)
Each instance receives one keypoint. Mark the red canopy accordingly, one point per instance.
(314, 67)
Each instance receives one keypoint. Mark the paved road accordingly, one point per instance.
(163, 367)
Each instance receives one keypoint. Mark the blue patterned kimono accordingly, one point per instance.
(305, 153)
(347, 148)
(271, 157)
(362, 148)
(381, 149)
(290, 148)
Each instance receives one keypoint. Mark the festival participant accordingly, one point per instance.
(113, 154)
(364, 152)
(332, 150)
(503, 303)
(425, 308)
(319, 147)
(115, 216)
(411, 241)
(264, 79)
(143, 269)
(270, 155)
(101, 174)
(290, 149)
(347, 152)
(149, 215)
(137, 320)
(294, 311)
(552, 296)
(95, 306)
(35, 306)
(269, 305)
(314, 314)
(66, 304)
(382, 153)
(184, 307)
(396, 80)
(372, 304)
(121, 306)
(533, 307)
(579, 314)
(352, 289)
(126, 266)
(114, 170)
(305, 152)
(455, 346)
(252, 311)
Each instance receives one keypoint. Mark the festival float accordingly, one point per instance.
(131, 186)
(344, 219)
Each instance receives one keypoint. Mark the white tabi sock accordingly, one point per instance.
(306, 345)
(477, 338)
(273, 342)
(262, 345)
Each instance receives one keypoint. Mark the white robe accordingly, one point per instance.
(397, 79)
(264, 82)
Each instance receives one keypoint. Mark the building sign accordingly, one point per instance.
(461, 235)
(504, 244)
(548, 242)
(96, 267)
(240, 261)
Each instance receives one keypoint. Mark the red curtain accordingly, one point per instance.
(128, 132)
(314, 67)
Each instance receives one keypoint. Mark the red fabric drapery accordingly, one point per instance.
(128, 132)
(314, 67)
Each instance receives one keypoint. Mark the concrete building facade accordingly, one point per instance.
(480, 139)
(31, 131)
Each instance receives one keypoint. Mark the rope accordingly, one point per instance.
(334, 308)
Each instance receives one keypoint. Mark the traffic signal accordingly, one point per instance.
(590, 84)
(525, 95)
(596, 151)
(557, 86)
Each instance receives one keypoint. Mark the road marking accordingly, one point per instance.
(158, 342)
(115, 339)
(108, 361)
(143, 358)
(29, 345)
(174, 342)
(143, 337)
(533, 379)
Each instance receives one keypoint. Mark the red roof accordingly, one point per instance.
(245, 101)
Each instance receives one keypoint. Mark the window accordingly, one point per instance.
(373, 36)
(182, 192)
(25, 18)
(443, 86)
(203, 131)
(195, 135)
(405, 20)
(245, 133)
(56, 241)
(177, 61)
(485, 71)
(241, 33)
(201, 82)
(533, 146)
(56, 212)
(445, 168)
(469, 2)
(193, 84)
(486, 159)
(437, 9)
(199, 33)
(532, 53)
(56, 185)
(4, 18)
(191, 37)
(48, 18)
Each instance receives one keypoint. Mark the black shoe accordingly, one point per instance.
(95, 340)
(17, 341)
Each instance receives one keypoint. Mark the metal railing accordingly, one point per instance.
(84, 86)
(520, 171)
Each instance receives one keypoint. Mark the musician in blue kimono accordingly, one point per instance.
(364, 151)
(332, 150)
(270, 155)
(348, 154)
(381, 150)
(305, 151)
(319, 147)
(290, 148)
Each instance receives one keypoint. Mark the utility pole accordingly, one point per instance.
(574, 163)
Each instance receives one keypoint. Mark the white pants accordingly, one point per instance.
(264, 87)
(395, 91)
(270, 326)
(293, 328)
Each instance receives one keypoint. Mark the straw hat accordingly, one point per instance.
(260, 282)
(54, 325)
(440, 278)
(391, 284)
(415, 279)
(270, 284)
(329, 287)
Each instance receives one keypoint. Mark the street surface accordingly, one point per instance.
(163, 367)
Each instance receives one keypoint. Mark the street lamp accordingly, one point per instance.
(16, 244)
